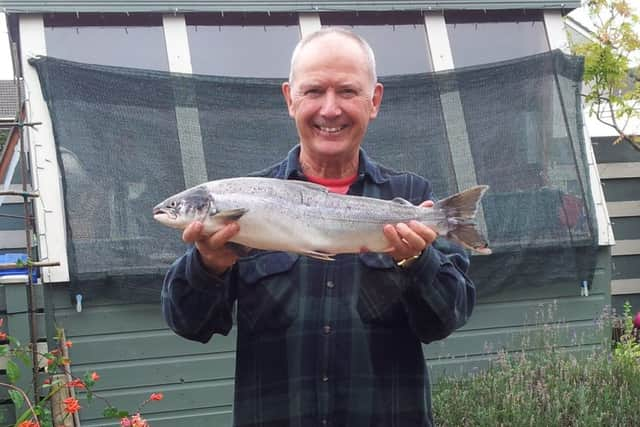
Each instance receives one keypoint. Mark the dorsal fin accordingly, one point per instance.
(401, 201)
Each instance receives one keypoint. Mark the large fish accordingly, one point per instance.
(302, 217)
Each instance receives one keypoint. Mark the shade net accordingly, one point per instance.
(128, 138)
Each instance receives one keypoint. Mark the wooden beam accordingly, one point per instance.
(309, 23)
(619, 170)
(625, 286)
(624, 209)
(626, 247)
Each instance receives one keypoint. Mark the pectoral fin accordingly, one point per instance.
(231, 214)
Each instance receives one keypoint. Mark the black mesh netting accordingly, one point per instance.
(128, 138)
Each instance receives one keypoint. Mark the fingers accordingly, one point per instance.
(408, 240)
(427, 204)
(213, 253)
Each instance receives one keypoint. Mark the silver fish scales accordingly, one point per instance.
(302, 217)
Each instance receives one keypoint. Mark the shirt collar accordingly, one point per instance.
(366, 167)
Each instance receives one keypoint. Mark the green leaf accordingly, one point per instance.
(13, 371)
(17, 398)
(123, 414)
(110, 412)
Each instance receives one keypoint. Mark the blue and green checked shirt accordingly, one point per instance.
(328, 343)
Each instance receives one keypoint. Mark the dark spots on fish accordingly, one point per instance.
(199, 199)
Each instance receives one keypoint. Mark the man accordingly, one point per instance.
(327, 343)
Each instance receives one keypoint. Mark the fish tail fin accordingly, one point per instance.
(460, 211)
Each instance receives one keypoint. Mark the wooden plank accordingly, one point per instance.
(530, 311)
(12, 239)
(143, 345)
(624, 209)
(626, 247)
(619, 170)
(466, 365)
(219, 416)
(477, 343)
(626, 227)
(625, 287)
(180, 397)
(44, 161)
(158, 371)
(606, 152)
(555, 29)
(625, 267)
(308, 23)
(111, 319)
(42, 348)
(14, 199)
(7, 414)
(605, 232)
(621, 190)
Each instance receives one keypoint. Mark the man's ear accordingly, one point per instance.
(376, 100)
(286, 92)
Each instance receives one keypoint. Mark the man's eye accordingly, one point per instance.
(312, 92)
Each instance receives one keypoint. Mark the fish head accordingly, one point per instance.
(180, 210)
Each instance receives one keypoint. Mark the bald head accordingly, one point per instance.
(367, 52)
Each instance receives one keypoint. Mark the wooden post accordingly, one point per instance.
(60, 417)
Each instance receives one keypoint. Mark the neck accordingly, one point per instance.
(331, 167)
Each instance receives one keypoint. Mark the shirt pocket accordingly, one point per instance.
(268, 297)
(380, 295)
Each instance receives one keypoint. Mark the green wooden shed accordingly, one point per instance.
(128, 343)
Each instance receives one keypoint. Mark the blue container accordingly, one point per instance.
(13, 258)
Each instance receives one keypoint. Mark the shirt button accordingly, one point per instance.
(325, 378)
(330, 284)
(324, 422)
(326, 329)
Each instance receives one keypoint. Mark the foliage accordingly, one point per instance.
(36, 412)
(547, 387)
(4, 134)
(627, 348)
(613, 87)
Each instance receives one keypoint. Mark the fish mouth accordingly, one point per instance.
(163, 213)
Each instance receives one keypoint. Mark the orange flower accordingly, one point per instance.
(68, 344)
(77, 383)
(3, 336)
(95, 376)
(71, 405)
(29, 424)
(156, 396)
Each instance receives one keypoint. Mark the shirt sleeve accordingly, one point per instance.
(195, 303)
(440, 297)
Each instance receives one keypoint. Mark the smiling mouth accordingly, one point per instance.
(327, 129)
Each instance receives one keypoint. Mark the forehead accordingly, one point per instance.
(332, 54)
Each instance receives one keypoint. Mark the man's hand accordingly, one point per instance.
(408, 240)
(215, 256)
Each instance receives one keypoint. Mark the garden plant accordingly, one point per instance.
(34, 406)
(544, 384)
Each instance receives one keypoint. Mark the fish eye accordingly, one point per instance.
(172, 204)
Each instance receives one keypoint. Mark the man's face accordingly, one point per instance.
(332, 98)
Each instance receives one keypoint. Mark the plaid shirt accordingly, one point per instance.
(328, 343)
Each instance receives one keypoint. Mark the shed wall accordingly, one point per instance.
(619, 167)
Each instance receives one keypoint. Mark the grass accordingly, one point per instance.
(549, 386)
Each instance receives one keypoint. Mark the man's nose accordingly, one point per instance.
(330, 105)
